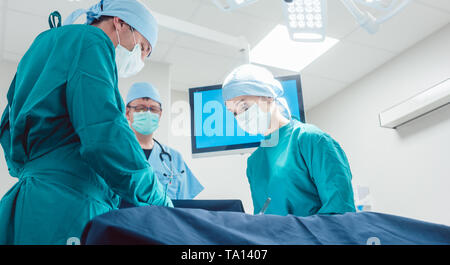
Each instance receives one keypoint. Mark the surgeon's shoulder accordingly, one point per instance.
(89, 35)
(308, 133)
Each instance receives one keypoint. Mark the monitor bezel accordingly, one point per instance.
(236, 147)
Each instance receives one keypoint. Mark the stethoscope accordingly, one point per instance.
(169, 169)
(163, 162)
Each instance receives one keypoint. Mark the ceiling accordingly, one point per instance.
(198, 62)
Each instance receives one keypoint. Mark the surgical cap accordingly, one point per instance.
(143, 90)
(252, 80)
(133, 12)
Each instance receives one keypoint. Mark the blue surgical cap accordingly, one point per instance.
(252, 80)
(133, 12)
(143, 90)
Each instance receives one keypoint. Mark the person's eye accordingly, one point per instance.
(141, 109)
(147, 50)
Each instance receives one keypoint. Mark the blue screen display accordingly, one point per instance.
(214, 126)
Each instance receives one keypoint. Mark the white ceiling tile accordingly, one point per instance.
(443, 5)
(183, 9)
(347, 62)
(277, 72)
(209, 47)
(233, 23)
(340, 20)
(45, 7)
(19, 37)
(197, 68)
(265, 10)
(411, 25)
(316, 89)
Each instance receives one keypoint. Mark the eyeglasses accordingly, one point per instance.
(142, 108)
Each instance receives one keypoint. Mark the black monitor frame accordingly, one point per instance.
(196, 150)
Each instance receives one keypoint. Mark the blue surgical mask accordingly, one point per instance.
(145, 122)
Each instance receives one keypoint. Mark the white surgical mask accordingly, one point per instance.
(254, 120)
(128, 63)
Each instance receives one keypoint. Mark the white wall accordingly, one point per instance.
(408, 169)
(7, 71)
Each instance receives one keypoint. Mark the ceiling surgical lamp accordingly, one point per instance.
(306, 20)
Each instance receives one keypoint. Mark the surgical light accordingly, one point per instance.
(306, 19)
(371, 22)
(228, 5)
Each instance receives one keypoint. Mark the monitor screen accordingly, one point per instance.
(214, 128)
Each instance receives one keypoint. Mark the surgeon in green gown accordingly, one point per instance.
(64, 131)
(299, 167)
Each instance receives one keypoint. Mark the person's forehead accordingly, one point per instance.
(145, 101)
(237, 101)
(241, 99)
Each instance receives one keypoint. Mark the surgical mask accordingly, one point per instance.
(128, 63)
(145, 122)
(254, 120)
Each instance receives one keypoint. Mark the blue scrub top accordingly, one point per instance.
(305, 173)
(184, 185)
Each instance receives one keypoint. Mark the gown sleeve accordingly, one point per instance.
(5, 134)
(108, 144)
(330, 172)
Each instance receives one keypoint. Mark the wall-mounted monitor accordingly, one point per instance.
(214, 130)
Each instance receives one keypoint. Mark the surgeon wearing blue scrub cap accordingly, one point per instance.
(64, 133)
(305, 172)
(144, 111)
(129, 25)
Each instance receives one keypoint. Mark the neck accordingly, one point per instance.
(108, 28)
(146, 141)
(277, 120)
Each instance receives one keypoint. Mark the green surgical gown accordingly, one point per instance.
(304, 173)
(65, 137)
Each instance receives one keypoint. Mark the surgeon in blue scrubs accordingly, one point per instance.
(302, 169)
(144, 110)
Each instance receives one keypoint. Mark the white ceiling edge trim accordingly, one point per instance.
(200, 31)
